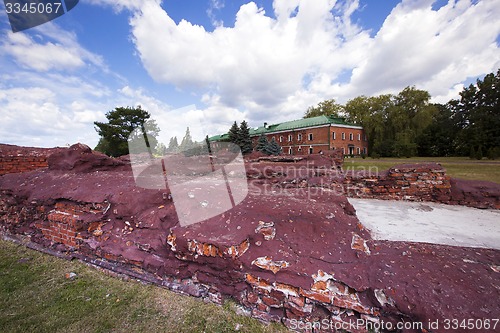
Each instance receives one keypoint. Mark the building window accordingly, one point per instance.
(351, 136)
(310, 136)
(290, 138)
(290, 151)
(359, 136)
(343, 150)
(343, 136)
(310, 150)
(281, 138)
(364, 150)
(334, 136)
(359, 150)
(299, 137)
(300, 149)
(365, 138)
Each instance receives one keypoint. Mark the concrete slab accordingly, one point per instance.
(426, 222)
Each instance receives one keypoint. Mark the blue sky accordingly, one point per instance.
(206, 63)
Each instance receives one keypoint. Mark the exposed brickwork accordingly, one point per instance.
(343, 304)
(426, 182)
(15, 159)
(15, 164)
(65, 224)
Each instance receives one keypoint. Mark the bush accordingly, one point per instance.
(375, 155)
(363, 155)
(493, 153)
(479, 153)
(472, 154)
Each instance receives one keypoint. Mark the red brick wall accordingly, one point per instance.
(427, 182)
(322, 139)
(65, 225)
(16, 164)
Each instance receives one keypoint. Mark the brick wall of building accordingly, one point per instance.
(316, 139)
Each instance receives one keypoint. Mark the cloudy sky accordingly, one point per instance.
(206, 63)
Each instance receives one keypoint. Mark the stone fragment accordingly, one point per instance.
(266, 229)
(267, 263)
(382, 298)
(359, 244)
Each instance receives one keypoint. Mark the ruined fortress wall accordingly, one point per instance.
(421, 182)
(14, 159)
(16, 164)
(413, 182)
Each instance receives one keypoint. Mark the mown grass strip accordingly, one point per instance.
(35, 296)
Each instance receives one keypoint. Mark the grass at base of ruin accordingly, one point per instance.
(35, 296)
(457, 167)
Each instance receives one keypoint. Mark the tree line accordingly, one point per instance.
(402, 125)
(408, 124)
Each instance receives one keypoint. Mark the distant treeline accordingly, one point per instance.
(407, 124)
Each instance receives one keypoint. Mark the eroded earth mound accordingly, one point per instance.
(294, 253)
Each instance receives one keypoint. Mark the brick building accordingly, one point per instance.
(312, 135)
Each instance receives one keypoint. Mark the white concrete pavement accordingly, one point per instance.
(427, 222)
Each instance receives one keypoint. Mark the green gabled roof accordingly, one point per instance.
(290, 125)
(220, 137)
(300, 123)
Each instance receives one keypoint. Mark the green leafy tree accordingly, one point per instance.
(324, 108)
(439, 138)
(245, 141)
(392, 123)
(161, 150)
(124, 124)
(478, 114)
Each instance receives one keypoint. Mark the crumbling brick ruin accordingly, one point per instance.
(292, 251)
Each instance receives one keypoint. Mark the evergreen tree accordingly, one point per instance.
(234, 134)
(273, 148)
(125, 124)
(173, 145)
(187, 142)
(244, 138)
(262, 144)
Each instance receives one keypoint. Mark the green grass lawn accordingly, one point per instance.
(35, 296)
(458, 167)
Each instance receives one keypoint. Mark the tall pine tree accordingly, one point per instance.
(245, 141)
(234, 134)
(173, 145)
(187, 142)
